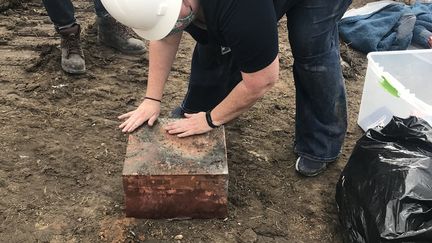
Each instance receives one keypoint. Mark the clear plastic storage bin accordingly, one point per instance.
(397, 83)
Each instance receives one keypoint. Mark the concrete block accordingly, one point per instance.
(169, 177)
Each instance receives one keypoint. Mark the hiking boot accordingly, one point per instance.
(115, 35)
(309, 167)
(72, 57)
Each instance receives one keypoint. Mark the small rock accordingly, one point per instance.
(248, 236)
(2, 183)
(178, 237)
(3, 41)
(345, 64)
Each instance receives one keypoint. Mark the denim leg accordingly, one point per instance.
(421, 36)
(100, 9)
(321, 109)
(213, 76)
(61, 12)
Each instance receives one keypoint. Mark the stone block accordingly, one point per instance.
(169, 177)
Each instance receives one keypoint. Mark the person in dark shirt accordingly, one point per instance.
(235, 62)
(110, 33)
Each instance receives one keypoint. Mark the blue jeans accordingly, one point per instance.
(62, 12)
(321, 110)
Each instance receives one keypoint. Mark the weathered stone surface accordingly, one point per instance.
(169, 177)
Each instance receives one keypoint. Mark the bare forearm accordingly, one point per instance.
(246, 93)
(238, 101)
(161, 57)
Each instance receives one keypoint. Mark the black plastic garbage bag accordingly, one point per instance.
(384, 194)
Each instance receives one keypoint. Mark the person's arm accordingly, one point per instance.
(246, 93)
(252, 36)
(161, 58)
(241, 98)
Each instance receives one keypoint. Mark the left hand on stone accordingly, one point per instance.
(191, 125)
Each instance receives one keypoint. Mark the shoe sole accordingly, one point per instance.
(135, 53)
(74, 71)
(308, 175)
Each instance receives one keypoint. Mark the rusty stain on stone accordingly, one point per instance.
(169, 177)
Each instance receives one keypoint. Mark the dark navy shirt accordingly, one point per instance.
(248, 27)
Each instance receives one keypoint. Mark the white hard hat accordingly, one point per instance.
(150, 19)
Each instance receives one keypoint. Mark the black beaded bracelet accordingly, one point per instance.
(209, 120)
(150, 98)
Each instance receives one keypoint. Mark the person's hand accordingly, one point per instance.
(149, 110)
(191, 125)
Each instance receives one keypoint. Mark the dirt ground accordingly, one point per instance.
(61, 154)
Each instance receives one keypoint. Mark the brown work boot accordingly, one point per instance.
(113, 34)
(72, 58)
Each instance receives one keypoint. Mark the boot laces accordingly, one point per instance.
(122, 31)
(72, 44)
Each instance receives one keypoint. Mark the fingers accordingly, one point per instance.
(180, 131)
(134, 119)
(169, 126)
(125, 115)
(174, 129)
(152, 120)
(132, 125)
(123, 124)
(132, 122)
(129, 125)
(193, 124)
(174, 125)
(185, 134)
(183, 128)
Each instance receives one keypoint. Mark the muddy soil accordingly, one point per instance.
(61, 154)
